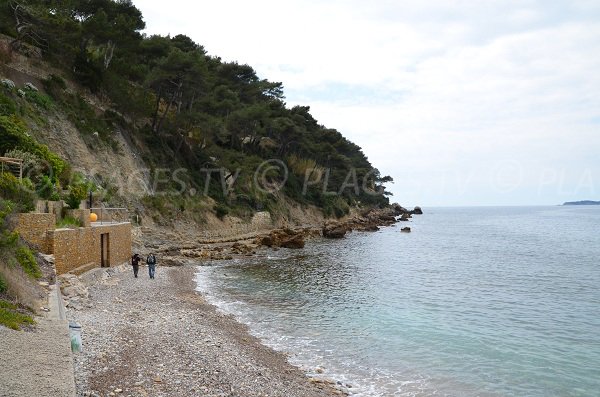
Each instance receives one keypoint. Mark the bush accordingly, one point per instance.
(17, 192)
(7, 105)
(335, 206)
(221, 211)
(46, 189)
(27, 261)
(78, 191)
(13, 135)
(68, 221)
(55, 86)
(39, 99)
(3, 285)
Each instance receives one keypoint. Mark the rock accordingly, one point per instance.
(242, 249)
(286, 237)
(405, 216)
(294, 242)
(417, 210)
(334, 230)
(405, 229)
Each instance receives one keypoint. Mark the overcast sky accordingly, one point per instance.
(461, 102)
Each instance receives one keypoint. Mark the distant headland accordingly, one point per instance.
(583, 202)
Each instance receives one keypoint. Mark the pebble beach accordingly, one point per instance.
(159, 337)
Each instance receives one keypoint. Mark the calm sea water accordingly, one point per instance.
(474, 302)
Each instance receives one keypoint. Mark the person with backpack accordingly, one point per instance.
(151, 261)
(135, 263)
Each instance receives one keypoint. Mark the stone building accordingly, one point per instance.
(77, 249)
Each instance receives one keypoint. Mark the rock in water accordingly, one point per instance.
(405, 229)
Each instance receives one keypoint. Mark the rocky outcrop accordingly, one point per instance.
(405, 229)
(334, 230)
(417, 210)
(286, 238)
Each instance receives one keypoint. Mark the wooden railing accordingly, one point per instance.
(12, 161)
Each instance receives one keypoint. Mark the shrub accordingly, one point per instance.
(221, 210)
(3, 285)
(27, 261)
(7, 105)
(15, 191)
(13, 135)
(78, 191)
(335, 206)
(8, 84)
(38, 98)
(68, 221)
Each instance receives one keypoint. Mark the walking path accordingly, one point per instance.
(39, 362)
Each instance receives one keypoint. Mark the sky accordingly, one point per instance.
(461, 102)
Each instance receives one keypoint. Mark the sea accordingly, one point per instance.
(478, 301)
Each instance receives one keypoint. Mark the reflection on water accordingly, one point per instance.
(474, 302)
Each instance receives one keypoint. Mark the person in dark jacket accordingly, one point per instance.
(135, 263)
(151, 262)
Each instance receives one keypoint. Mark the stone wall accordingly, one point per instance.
(50, 207)
(81, 247)
(34, 227)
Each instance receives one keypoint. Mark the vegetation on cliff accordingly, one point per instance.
(183, 109)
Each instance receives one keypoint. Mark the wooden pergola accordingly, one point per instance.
(11, 161)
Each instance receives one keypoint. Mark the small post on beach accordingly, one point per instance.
(75, 333)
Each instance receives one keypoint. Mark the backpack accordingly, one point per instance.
(151, 260)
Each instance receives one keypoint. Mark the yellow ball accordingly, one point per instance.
(93, 217)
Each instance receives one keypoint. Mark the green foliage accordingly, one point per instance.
(335, 206)
(69, 221)
(3, 285)
(47, 189)
(11, 316)
(13, 135)
(56, 87)
(78, 191)
(7, 238)
(36, 97)
(221, 211)
(184, 108)
(11, 189)
(7, 105)
(27, 262)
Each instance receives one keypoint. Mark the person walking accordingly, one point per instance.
(151, 262)
(135, 263)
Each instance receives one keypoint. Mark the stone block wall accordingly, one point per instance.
(81, 247)
(34, 227)
(50, 207)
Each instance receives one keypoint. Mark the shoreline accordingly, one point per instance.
(160, 337)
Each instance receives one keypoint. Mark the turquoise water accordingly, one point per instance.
(474, 302)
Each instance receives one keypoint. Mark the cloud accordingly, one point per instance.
(449, 97)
